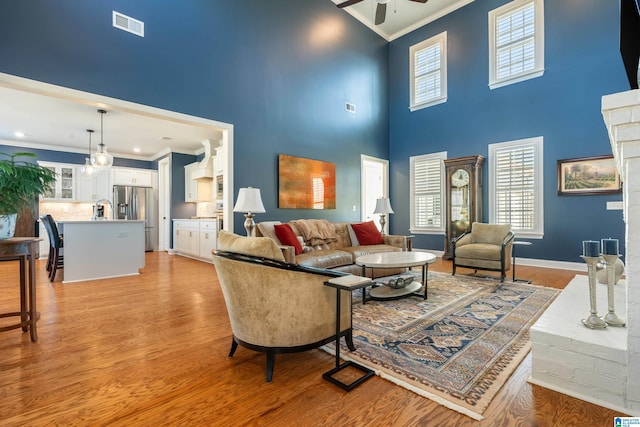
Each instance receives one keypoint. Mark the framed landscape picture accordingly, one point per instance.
(588, 175)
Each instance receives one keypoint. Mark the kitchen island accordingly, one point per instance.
(102, 249)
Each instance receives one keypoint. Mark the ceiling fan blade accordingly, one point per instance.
(347, 3)
(381, 13)
(420, 1)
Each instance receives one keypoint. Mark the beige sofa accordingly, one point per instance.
(339, 255)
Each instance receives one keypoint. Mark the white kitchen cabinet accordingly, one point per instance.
(65, 186)
(44, 243)
(195, 238)
(220, 160)
(94, 188)
(134, 177)
(196, 190)
(208, 238)
(186, 237)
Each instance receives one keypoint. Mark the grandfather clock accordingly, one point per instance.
(463, 181)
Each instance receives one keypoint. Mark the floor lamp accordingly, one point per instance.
(249, 201)
(383, 207)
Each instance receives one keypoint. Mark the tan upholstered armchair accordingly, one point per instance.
(485, 247)
(276, 307)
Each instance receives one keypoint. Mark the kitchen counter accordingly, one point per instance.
(102, 249)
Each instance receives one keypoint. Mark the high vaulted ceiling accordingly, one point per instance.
(403, 16)
(49, 120)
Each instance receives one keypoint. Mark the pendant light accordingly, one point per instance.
(87, 169)
(101, 159)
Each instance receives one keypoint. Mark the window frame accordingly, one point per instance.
(440, 39)
(537, 232)
(538, 69)
(441, 156)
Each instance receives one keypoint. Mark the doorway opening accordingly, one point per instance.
(375, 184)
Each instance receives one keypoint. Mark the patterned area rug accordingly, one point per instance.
(457, 348)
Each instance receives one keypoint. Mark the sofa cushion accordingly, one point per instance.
(254, 246)
(479, 251)
(493, 234)
(267, 229)
(367, 233)
(352, 236)
(287, 237)
(329, 258)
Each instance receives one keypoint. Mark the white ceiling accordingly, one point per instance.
(403, 16)
(59, 123)
(56, 118)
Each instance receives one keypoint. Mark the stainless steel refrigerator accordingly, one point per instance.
(138, 203)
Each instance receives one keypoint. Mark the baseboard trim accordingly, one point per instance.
(581, 396)
(532, 262)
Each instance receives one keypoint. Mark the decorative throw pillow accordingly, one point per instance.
(288, 237)
(352, 236)
(367, 233)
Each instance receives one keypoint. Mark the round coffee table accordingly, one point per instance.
(396, 260)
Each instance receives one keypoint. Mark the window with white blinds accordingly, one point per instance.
(515, 179)
(428, 60)
(427, 189)
(516, 40)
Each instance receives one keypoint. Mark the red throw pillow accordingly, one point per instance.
(287, 236)
(368, 233)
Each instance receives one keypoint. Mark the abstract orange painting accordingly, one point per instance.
(305, 183)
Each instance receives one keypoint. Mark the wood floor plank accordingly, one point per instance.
(152, 350)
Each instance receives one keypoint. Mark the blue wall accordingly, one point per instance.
(582, 63)
(280, 71)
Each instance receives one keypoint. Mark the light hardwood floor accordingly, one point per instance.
(152, 350)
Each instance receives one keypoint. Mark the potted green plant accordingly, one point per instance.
(21, 182)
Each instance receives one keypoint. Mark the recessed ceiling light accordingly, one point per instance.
(166, 138)
(19, 134)
(136, 150)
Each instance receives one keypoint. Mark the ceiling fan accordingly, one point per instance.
(381, 9)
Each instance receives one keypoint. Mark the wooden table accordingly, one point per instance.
(23, 249)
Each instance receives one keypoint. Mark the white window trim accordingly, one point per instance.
(427, 230)
(442, 40)
(538, 142)
(538, 69)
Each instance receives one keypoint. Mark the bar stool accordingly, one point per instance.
(55, 260)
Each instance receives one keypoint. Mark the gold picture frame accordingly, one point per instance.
(588, 175)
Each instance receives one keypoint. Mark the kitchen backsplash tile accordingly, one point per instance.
(67, 211)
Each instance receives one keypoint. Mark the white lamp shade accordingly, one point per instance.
(249, 200)
(383, 206)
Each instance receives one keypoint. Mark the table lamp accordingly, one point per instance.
(383, 207)
(249, 201)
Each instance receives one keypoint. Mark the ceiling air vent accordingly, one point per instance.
(127, 23)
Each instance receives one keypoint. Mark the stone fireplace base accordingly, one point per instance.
(588, 364)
